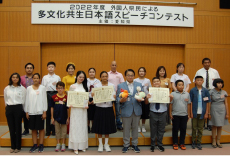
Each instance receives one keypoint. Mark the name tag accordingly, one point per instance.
(37, 92)
(166, 83)
(117, 77)
(222, 96)
(61, 102)
(186, 100)
(128, 99)
(205, 98)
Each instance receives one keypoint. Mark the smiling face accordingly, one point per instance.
(162, 72)
(129, 76)
(80, 78)
(156, 83)
(15, 79)
(104, 77)
(71, 70)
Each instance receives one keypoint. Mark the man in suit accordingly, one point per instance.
(131, 110)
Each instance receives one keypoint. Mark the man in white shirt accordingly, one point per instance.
(50, 81)
(209, 74)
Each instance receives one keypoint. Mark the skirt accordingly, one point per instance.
(218, 113)
(104, 121)
(36, 122)
(91, 110)
(145, 110)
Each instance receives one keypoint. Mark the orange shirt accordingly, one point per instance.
(165, 83)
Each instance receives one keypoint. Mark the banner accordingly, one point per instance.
(111, 14)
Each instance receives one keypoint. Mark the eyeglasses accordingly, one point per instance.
(130, 75)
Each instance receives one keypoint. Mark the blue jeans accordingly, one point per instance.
(118, 114)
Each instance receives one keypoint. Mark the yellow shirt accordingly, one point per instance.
(165, 83)
(68, 80)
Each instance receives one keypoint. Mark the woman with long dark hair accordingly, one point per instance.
(14, 96)
(78, 134)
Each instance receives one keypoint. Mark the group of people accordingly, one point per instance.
(34, 100)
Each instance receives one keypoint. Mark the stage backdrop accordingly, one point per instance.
(97, 45)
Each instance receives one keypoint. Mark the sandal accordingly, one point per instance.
(175, 146)
(182, 146)
(214, 143)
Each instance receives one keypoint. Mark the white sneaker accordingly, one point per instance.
(76, 152)
(107, 148)
(100, 148)
(143, 129)
(139, 129)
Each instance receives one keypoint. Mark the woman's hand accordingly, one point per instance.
(44, 115)
(27, 116)
(226, 116)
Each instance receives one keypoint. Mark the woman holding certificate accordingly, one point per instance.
(78, 134)
(104, 120)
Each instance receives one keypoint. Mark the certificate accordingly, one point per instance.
(78, 99)
(103, 94)
(159, 95)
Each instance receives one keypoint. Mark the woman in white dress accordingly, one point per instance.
(78, 133)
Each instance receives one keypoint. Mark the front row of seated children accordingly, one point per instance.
(182, 107)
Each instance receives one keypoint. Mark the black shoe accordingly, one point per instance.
(53, 133)
(193, 145)
(120, 128)
(152, 148)
(209, 128)
(88, 129)
(41, 148)
(25, 133)
(199, 147)
(125, 149)
(161, 148)
(34, 148)
(47, 133)
(136, 149)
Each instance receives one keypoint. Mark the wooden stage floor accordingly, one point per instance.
(116, 139)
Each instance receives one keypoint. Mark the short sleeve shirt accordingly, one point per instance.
(179, 105)
(218, 97)
(184, 78)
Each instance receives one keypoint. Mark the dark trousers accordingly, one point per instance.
(14, 120)
(49, 126)
(157, 127)
(26, 121)
(118, 114)
(179, 122)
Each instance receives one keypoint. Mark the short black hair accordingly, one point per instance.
(206, 59)
(51, 63)
(156, 78)
(29, 64)
(158, 69)
(218, 80)
(197, 77)
(60, 83)
(143, 69)
(93, 69)
(129, 70)
(10, 79)
(37, 75)
(69, 66)
(103, 73)
(178, 65)
(177, 81)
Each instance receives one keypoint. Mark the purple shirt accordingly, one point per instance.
(26, 82)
